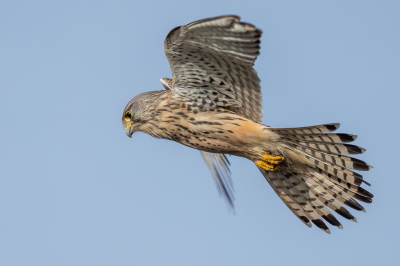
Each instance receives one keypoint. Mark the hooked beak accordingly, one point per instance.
(129, 130)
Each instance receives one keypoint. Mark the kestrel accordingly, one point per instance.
(213, 104)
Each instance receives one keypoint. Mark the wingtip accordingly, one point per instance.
(346, 138)
(305, 220)
(332, 127)
(321, 225)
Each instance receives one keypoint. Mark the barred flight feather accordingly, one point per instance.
(218, 164)
(347, 187)
(339, 160)
(326, 128)
(340, 172)
(324, 138)
(329, 184)
(357, 196)
(310, 196)
(215, 57)
(337, 192)
(308, 209)
(281, 191)
(324, 196)
(342, 149)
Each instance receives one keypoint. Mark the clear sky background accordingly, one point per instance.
(76, 191)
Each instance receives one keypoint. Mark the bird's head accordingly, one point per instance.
(139, 111)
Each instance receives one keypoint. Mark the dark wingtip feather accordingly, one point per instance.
(305, 220)
(345, 213)
(320, 224)
(354, 204)
(332, 220)
(353, 149)
(358, 179)
(362, 198)
(333, 127)
(364, 192)
(360, 165)
(345, 138)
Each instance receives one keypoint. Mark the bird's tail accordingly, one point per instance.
(317, 174)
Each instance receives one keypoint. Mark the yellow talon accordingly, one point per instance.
(272, 159)
(267, 166)
(269, 162)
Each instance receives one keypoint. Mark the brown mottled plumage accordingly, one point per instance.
(213, 104)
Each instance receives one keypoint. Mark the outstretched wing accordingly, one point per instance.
(211, 62)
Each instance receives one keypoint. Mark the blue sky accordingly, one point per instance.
(76, 191)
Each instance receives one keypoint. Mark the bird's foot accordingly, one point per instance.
(272, 159)
(269, 162)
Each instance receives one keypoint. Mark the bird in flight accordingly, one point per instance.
(213, 103)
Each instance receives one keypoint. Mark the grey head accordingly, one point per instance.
(140, 110)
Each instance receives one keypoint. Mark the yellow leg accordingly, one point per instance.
(270, 163)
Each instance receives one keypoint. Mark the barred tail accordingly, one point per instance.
(325, 180)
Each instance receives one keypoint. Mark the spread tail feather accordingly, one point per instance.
(317, 176)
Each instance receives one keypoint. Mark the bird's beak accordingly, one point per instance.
(129, 130)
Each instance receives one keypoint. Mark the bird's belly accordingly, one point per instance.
(217, 132)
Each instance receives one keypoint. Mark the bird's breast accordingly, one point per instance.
(218, 130)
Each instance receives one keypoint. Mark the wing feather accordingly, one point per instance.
(218, 164)
(212, 59)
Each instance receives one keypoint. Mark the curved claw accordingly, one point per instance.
(272, 159)
(269, 162)
(267, 166)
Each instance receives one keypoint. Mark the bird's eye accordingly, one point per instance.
(128, 116)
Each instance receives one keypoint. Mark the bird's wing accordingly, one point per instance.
(218, 165)
(212, 65)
